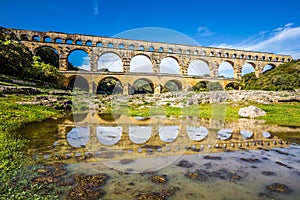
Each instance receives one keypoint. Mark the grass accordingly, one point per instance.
(286, 114)
(14, 171)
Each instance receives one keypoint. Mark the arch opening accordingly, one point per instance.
(268, 67)
(109, 135)
(247, 69)
(226, 70)
(78, 136)
(172, 86)
(69, 41)
(79, 60)
(110, 62)
(58, 40)
(169, 65)
(36, 38)
(201, 86)
(48, 55)
(168, 133)
(197, 133)
(199, 68)
(109, 85)
(140, 134)
(47, 39)
(78, 83)
(143, 86)
(232, 86)
(141, 63)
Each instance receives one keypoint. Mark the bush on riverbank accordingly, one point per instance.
(18, 61)
(284, 77)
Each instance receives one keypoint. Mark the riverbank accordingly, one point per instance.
(15, 181)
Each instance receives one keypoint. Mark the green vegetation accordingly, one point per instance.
(286, 114)
(17, 60)
(15, 174)
(284, 77)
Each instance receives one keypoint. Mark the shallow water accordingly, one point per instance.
(197, 158)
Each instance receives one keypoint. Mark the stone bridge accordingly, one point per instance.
(96, 46)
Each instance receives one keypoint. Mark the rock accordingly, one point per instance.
(251, 112)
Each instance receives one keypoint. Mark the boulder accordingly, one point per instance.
(251, 112)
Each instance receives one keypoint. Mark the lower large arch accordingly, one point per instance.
(143, 86)
(172, 86)
(78, 82)
(109, 85)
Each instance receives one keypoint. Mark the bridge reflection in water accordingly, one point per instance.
(136, 137)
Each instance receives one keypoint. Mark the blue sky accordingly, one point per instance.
(263, 25)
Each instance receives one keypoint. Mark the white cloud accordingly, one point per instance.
(204, 31)
(282, 40)
(96, 9)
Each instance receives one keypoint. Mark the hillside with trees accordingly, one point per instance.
(16, 60)
(284, 77)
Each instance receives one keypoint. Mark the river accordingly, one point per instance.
(91, 156)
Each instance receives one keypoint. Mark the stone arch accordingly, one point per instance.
(121, 46)
(109, 85)
(36, 38)
(89, 43)
(169, 65)
(199, 67)
(99, 44)
(232, 86)
(69, 41)
(141, 63)
(172, 86)
(58, 40)
(24, 37)
(247, 68)
(78, 42)
(79, 59)
(143, 86)
(47, 39)
(268, 67)
(110, 61)
(78, 82)
(48, 55)
(226, 69)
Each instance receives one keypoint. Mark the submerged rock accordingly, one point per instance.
(161, 195)
(212, 157)
(185, 164)
(250, 160)
(279, 188)
(198, 175)
(85, 193)
(160, 179)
